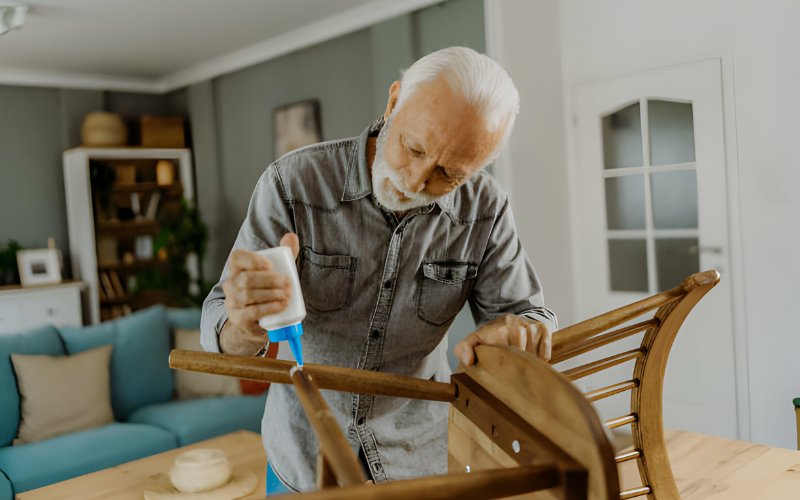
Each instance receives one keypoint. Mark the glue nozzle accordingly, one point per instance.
(291, 333)
(297, 349)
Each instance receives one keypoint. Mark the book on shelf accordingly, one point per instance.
(105, 281)
(152, 206)
(116, 284)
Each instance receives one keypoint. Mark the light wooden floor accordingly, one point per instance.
(713, 468)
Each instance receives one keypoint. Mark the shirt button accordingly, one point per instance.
(375, 334)
(387, 284)
(360, 420)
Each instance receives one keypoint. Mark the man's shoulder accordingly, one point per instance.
(316, 174)
(480, 198)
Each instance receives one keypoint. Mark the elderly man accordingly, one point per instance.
(394, 231)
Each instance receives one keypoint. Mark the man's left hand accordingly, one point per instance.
(509, 330)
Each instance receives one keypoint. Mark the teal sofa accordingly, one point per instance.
(147, 418)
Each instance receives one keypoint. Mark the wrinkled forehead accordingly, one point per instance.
(441, 120)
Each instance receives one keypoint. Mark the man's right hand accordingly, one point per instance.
(253, 290)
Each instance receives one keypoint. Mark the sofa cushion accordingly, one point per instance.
(197, 419)
(5, 487)
(188, 319)
(38, 464)
(140, 373)
(63, 394)
(43, 340)
(193, 385)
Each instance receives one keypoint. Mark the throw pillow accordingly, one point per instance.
(140, 372)
(190, 385)
(63, 394)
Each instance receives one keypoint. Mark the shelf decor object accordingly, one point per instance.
(517, 424)
(102, 210)
(162, 132)
(103, 129)
(39, 266)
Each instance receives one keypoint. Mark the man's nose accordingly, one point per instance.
(415, 179)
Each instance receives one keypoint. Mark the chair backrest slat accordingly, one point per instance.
(669, 310)
(603, 364)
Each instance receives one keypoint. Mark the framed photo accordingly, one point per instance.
(39, 267)
(296, 125)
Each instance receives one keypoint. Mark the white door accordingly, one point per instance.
(650, 208)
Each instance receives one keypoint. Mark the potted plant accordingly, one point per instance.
(9, 273)
(182, 244)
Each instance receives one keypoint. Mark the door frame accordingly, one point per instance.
(735, 257)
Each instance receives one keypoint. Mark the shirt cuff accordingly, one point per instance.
(542, 315)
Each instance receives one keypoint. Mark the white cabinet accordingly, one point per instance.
(25, 308)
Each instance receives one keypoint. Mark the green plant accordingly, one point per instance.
(181, 237)
(9, 274)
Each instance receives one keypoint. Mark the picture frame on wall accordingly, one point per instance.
(39, 266)
(296, 125)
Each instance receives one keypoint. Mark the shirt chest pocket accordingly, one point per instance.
(444, 288)
(327, 280)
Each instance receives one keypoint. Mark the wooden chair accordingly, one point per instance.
(646, 382)
(517, 425)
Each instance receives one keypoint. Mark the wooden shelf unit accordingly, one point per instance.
(85, 227)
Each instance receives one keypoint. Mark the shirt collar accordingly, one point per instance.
(358, 182)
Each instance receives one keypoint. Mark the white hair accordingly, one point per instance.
(480, 80)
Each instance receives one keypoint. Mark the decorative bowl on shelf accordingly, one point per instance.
(103, 129)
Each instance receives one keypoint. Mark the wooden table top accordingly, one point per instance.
(705, 467)
(708, 467)
(130, 480)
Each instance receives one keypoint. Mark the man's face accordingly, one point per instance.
(434, 143)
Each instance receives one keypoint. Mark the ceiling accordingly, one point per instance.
(157, 45)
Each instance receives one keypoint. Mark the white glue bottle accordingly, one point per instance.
(287, 324)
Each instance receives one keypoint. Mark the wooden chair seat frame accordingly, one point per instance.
(517, 425)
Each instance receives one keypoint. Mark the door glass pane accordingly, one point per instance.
(676, 258)
(622, 138)
(625, 202)
(671, 132)
(674, 199)
(628, 265)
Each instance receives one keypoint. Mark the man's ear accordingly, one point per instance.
(394, 93)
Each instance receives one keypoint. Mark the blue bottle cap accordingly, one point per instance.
(285, 333)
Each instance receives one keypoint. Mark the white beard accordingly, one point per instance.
(385, 177)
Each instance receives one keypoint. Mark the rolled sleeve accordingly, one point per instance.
(269, 217)
(507, 282)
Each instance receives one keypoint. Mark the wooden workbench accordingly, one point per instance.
(713, 468)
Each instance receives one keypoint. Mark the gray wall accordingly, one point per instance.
(36, 126)
(336, 72)
(32, 202)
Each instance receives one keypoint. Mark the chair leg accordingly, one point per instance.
(797, 413)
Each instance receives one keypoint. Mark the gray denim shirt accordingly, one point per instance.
(380, 293)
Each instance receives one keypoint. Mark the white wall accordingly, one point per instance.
(523, 36)
(759, 44)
